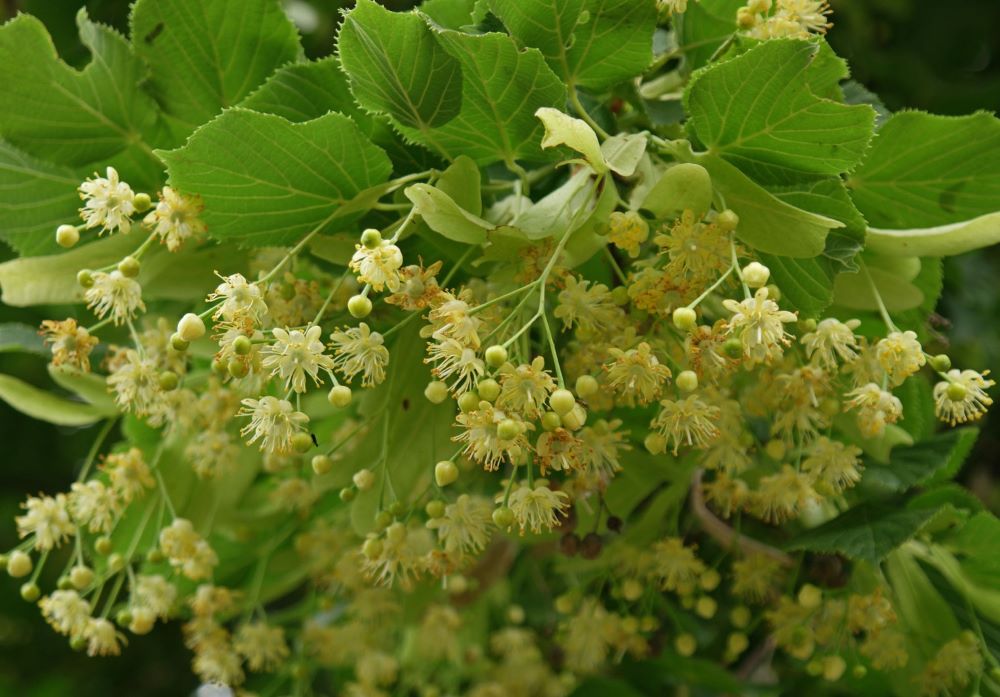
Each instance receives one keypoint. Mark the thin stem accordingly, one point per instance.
(94, 327)
(574, 99)
(736, 268)
(300, 245)
(614, 265)
(694, 303)
(878, 298)
(144, 246)
(95, 448)
(329, 298)
(500, 298)
(458, 264)
(552, 348)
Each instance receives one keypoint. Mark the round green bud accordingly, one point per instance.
(551, 421)
(359, 306)
(142, 202)
(3, 562)
(808, 325)
(395, 533)
(81, 577)
(85, 278)
(436, 392)
(727, 220)
(19, 564)
(103, 546)
(562, 401)
(67, 236)
(810, 597)
(574, 419)
(302, 442)
(30, 591)
(155, 556)
(503, 517)
(940, 362)
(705, 607)
(372, 548)
(347, 494)
(619, 295)
(508, 429)
(685, 644)
(238, 368)
(488, 389)
(830, 407)
(397, 509)
(445, 473)
(469, 401)
(129, 266)
(78, 643)
(220, 367)
(364, 479)
(321, 464)
(685, 318)
(242, 345)
(178, 344)
(710, 580)
(434, 509)
(64, 584)
(587, 386)
(116, 562)
(776, 449)
(756, 274)
(371, 238)
(859, 671)
(632, 590)
(740, 616)
(655, 443)
(123, 617)
(495, 356)
(383, 519)
(168, 380)
(737, 643)
(339, 396)
(814, 667)
(191, 327)
(833, 668)
(773, 292)
(732, 347)
(142, 622)
(687, 381)
(956, 391)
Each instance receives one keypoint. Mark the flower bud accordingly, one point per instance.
(655, 443)
(687, 381)
(587, 386)
(242, 345)
(941, 363)
(685, 318)
(168, 380)
(339, 396)
(469, 401)
(756, 274)
(685, 644)
(302, 442)
(575, 419)
(503, 517)
(321, 464)
(178, 344)
(551, 421)
(371, 238)
(142, 621)
(364, 479)
(347, 494)
(508, 429)
(238, 368)
(445, 473)
(129, 267)
(191, 327)
(85, 278)
(359, 306)
(19, 564)
(727, 220)
(81, 577)
(67, 236)
(562, 401)
(495, 356)
(436, 392)
(30, 591)
(142, 202)
(488, 389)
(434, 509)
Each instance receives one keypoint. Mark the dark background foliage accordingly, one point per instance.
(942, 57)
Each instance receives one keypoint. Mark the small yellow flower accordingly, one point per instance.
(360, 351)
(628, 231)
(71, 344)
(900, 355)
(536, 508)
(47, 518)
(108, 202)
(962, 397)
(759, 324)
(116, 294)
(295, 354)
(690, 421)
(636, 374)
(175, 218)
(378, 266)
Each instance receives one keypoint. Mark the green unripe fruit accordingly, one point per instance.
(116, 562)
(142, 622)
(587, 386)
(168, 380)
(686, 645)
(103, 545)
(710, 580)
(396, 533)
(685, 318)
(238, 368)
(191, 327)
(655, 443)
(220, 367)
(551, 421)
(397, 509)
(123, 617)
(372, 548)
(445, 473)
(495, 356)
(242, 345)
(687, 381)
(339, 396)
(436, 392)
(85, 278)
(508, 429)
(737, 643)
(78, 643)
(810, 596)
(129, 266)
(685, 186)
(808, 325)
(347, 494)
(940, 362)
(30, 591)
(488, 389)
(733, 347)
(142, 202)
(81, 577)
(469, 401)
(383, 519)
(321, 464)
(859, 671)
(364, 479)
(755, 274)
(956, 391)
(19, 564)
(705, 607)
(773, 292)
(434, 509)
(503, 517)
(776, 449)
(302, 442)
(359, 306)
(727, 220)
(562, 401)
(64, 584)
(371, 238)
(67, 236)
(155, 556)
(619, 296)
(575, 419)
(178, 344)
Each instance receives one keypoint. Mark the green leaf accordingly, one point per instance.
(767, 223)
(90, 387)
(446, 217)
(305, 91)
(929, 170)
(852, 291)
(206, 56)
(702, 29)
(462, 181)
(573, 133)
(78, 118)
(624, 151)
(453, 14)
(934, 460)
(35, 198)
(939, 241)
(44, 406)
(555, 212)
(806, 284)
(592, 43)
(868, 531)
(396, 66)
(266, 181)
(759, 108)
(21, 338)
(502, 87)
